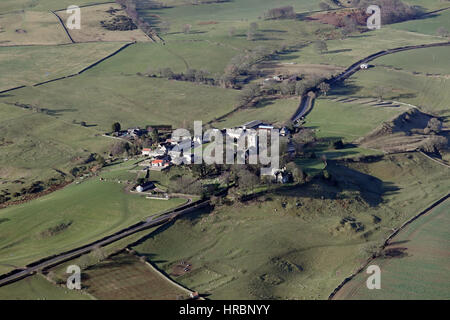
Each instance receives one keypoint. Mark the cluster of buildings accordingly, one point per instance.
(130, 133)
(172, 152)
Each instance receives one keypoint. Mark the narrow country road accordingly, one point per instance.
(19, 274)
(305, 105)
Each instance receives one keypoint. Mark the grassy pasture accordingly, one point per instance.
(263, 250)
(422, 273)
(31, 28)
(427, 61)
(91, 29)
(89, 210)
(428, 25)
(347, 120)
(428, 4)
(276, 111)
(40, 5)
(38, 288)
(235, 10)
(177, 55)
(37, 151)
(426, 92)
(101, 100)
(30, 65)
(349, 50)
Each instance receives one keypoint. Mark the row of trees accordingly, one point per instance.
(131, 11)
(192, 75)
(281, 13)
(285, 88)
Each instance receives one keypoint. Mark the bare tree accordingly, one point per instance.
(435, 125)
(187, 28)
(380, 92)
(321, 46)
(324, 87)
(442, 32)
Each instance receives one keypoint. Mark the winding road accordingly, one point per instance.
(306, 103)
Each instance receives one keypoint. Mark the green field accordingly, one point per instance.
(41, 5)
(88, 211)
(428, 25)
(29, 138)
(422, 273)
(345, 52)
(272, 111)
(261, 250)
(348, 121)
(432, 61)
(30, 65)
(38, 288)
(428, 93)
(130, 99)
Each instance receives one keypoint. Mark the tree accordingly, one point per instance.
(442, 32)
(287, 88)
(321, 46)
(281, 13)
(187, 28)
(435, 125)
(380, 92)
(296, 172)
(116, 127)
(349, 25)
(300, 88)
(98, 254)
(247, 179)
(249, 93)
(251, 33)
(324, 6)
(324, 87)
(119, 147)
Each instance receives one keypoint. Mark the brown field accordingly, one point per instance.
(124, 277)
(91, 30)
(337, 18)
(31, 28)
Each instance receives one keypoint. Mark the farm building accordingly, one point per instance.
(160, 163)
(145, 186)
